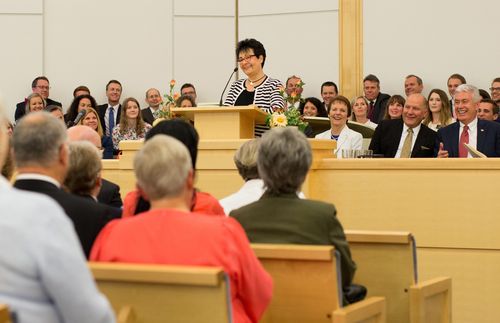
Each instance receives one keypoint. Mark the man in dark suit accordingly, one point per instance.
(280, 216)
(377, 101)
(329, 90)
(406, 137)
(480, 134)
(42, 164)
(110, 112)
(41, 86)
(153, 99)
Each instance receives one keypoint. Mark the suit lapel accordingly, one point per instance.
(481, 135)
(395, 138)
(454, 139)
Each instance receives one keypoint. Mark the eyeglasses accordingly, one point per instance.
(494, 89)
(43, 87)
(245, 59)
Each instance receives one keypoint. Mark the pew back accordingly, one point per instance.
(160, 293)
(4, 314)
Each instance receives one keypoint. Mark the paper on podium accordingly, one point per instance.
(474, 152)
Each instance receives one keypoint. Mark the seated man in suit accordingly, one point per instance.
(280, 216)
(480, 134)
(42, 165)
(153, 99)
(41, 86)
(110, 192)
(488, 110)
(329, 90)
(454, 81)
(109, 113)
(377, 101)
(406, 137)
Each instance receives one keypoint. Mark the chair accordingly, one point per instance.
(4, 314)
(387, 266)
(307, 287)
(161, 293)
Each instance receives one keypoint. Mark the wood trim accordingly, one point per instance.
(398, 237)
(351, 47)
(297, 252)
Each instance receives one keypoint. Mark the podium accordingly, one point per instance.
(224, 122)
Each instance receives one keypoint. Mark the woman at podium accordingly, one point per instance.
(257, 88)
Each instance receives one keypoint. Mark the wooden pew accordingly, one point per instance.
(4, 314)
(160, 293)
(306, 287)
(387, 266)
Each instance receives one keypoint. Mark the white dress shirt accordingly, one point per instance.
(43, 273)
(416, 130)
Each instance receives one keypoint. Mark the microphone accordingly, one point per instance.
(79, 117)
(225, 87)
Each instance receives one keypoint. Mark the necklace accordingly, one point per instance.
(253, 82)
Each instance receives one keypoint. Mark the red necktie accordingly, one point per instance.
(464, 139)
(370, 110)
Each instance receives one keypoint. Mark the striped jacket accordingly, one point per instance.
(267, 95)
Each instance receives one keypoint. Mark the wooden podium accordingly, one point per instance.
(224, 122)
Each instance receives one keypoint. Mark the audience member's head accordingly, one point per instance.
(80, 103)
(4, 136)
(189, 90)
(415, 110)
(180, 130)
(292, 85)
(312, 107)
(41, 86)
(39, 144)
(359, 108)
(113, 92)
(371, 87)
(185, 101)
(153, 98)
(413, 84)
(85, 168)
(56, 111)
(466, 100)
(438, 104)
(329, 90)
(495, 89)
(484, 94)
(91, 119)
(283, 151)
(488, 110)
(131, 117)
(84, 133)
(34, 103)
(80, 90)
(394, 108)
(251, 47)
(340, 100)
(175, 179)
(245, 159)
(454, 81)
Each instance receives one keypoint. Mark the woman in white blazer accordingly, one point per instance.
(339, 111)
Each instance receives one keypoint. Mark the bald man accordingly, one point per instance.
(110, 192)
(406, 137)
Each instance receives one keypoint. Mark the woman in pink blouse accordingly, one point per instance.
(131, 126)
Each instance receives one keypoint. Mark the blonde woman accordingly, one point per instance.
(34, 103)
(439, 106)
(131, 126)
(92, 120)
(360, 112)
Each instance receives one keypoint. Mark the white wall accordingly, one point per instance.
(432, 39)
(300, 37)
(145, 44)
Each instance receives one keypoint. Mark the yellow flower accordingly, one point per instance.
(279, 120)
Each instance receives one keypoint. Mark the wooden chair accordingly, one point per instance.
(4, 314)
(387, 266)
(160, 293)
(306, 287)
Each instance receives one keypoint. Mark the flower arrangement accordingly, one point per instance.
(164, 112)
(286, 118)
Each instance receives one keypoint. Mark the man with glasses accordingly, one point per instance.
(189, 90)
(41, 86)
(495, 90)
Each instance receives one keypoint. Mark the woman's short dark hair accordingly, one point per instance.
(180, 130)
(317, 103)
(393, 100)
(342, 99)
(255, 45)
(178, 102)
(73, 108)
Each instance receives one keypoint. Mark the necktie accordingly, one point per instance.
(156, 114)
(370, 110)
(464, 139)
(406, 150)
(111, 120)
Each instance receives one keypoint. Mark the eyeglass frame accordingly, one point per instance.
(245, 59)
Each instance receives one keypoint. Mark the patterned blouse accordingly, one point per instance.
(130, 134)
(267, 95)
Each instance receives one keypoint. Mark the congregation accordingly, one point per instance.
(72, 214)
